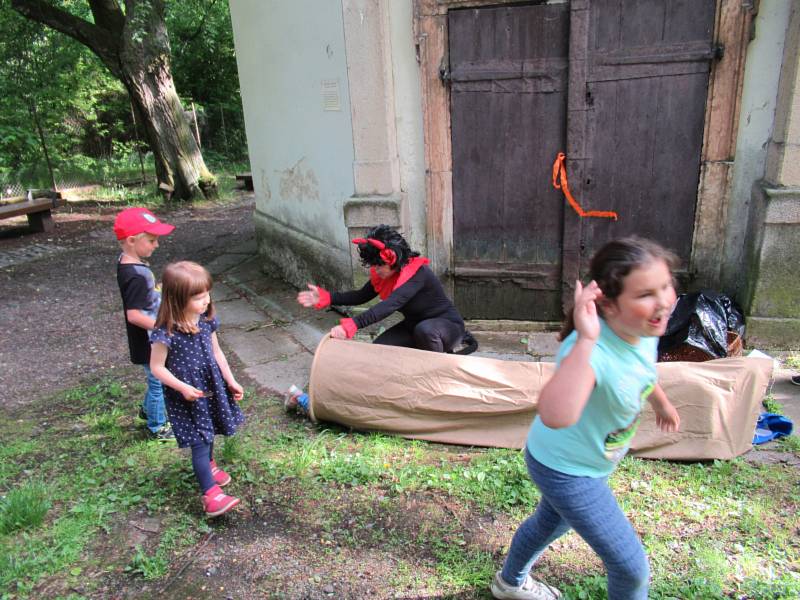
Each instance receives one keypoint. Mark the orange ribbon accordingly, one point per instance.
(560, 183)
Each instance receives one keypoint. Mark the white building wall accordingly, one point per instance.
(408, 115)
(321, 175)
(292, 62)
(756, 121)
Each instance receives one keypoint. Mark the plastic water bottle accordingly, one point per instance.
(296, 399)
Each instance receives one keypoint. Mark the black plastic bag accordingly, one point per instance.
(702, 320)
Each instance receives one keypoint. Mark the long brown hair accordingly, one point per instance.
(180, 281)
(613, 263)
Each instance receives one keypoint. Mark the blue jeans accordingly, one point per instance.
(588, 506)
(153, 403)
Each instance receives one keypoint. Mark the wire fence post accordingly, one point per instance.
(196, 130)
(35, 116)
(138, 142)
(224, 133)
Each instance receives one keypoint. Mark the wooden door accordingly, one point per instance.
(644, 93)
(508, 78)
(635, 75)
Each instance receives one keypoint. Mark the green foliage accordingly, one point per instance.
(205, 71)
(24, 507)
(149, 567)
(772, 405)
(790, 443)
(71, 94)
(85, 113)
(587, 588)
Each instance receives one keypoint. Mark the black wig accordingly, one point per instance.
(370, 255)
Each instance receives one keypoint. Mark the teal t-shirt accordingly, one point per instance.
(625, 375)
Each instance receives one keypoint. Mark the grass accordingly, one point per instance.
(147, 194)
(445, 514)
(112, 173)
(24, 507)
(155, 565)
(790, 443)
(772, 405)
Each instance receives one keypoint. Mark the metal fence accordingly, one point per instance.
(107, 171)
(219, 131)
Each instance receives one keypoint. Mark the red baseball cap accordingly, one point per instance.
(136, 220)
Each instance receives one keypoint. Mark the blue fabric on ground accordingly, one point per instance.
(771, 426)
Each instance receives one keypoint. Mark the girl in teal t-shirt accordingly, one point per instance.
(587, 415)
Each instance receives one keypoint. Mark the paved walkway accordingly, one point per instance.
(274, 338)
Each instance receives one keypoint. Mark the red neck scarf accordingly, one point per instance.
(385, 287)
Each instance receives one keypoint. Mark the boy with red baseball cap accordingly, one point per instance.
(137, 230)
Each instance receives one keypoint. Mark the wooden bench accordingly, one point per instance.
(246, 179)
(37, 207)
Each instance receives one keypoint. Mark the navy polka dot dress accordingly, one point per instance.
(191, 359)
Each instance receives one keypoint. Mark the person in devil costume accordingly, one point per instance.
(404, 283)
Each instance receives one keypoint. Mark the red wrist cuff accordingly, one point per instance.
(349, 326)
(324, 298)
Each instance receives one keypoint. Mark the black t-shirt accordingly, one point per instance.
(421, 297)
(137, 285)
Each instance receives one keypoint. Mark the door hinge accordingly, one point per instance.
(444, 74)
(718, 51)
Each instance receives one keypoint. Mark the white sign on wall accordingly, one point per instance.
(330, 95)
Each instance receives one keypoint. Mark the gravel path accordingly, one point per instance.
(60, 310)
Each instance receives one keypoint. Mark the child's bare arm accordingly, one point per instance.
(158, 359)
(227, 375)
(138, 318)
(667, 418)
(564, 397)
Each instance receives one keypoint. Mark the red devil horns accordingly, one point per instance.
(387, 255)
(377, 243)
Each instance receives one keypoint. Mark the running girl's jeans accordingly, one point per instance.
(587, 505)
(153, 404)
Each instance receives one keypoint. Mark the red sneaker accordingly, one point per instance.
(221, 478)
(216, 502)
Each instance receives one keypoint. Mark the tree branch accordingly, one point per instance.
(108, 14)
(188, 40)
(97, 39)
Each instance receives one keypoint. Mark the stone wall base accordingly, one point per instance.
(299, 258)
(780, 334)
(772, 278)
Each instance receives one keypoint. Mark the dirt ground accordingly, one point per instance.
(60, 309)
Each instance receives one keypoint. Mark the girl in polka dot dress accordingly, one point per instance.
(201, 393)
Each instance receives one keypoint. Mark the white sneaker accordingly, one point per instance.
(529, 590)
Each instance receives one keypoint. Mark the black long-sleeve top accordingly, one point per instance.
(421, 297)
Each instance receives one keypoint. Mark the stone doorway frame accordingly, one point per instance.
(732, 31)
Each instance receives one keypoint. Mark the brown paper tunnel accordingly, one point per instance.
(476, 401)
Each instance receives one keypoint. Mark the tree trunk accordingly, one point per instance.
(134, 45)
(146, 74)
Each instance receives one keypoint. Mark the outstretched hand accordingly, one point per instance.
(309, 298)
(587, 323)
(338, 333)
